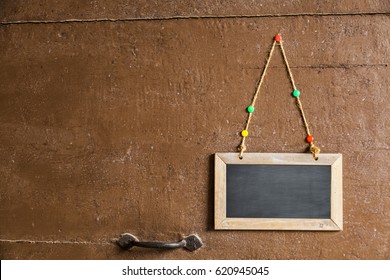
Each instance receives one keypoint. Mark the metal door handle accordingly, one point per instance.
(191, 243)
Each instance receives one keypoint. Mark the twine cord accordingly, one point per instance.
(287, 66)
(242, 148)
(299, 104)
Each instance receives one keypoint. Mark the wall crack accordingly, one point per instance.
(169, 18)
(55, 242)
(326, 66)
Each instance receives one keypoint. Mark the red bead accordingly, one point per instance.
(309, 138)
(278, 38)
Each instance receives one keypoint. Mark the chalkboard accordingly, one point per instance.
(278, 191)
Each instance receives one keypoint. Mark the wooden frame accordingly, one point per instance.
(335, 223)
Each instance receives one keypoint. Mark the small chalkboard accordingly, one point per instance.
(278, 191)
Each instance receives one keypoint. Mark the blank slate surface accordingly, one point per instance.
(278, 191)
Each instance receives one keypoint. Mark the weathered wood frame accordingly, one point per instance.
(335, 223)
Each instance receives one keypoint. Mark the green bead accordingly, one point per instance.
(296, 93)
(250, 109)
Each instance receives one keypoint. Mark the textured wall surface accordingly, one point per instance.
(110, 115)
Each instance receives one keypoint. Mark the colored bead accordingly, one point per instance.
(250, 109)
(244, 133)
(309, 138)
(296, 93)
(278, 38)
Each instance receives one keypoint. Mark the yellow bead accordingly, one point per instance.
(244, 133)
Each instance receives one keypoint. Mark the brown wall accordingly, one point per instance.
(110, 126)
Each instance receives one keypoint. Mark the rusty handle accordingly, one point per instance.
(191, 243)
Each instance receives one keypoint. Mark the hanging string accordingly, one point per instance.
(242, 147)
(296, 93)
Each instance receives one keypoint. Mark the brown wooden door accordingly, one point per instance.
(110, 114)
